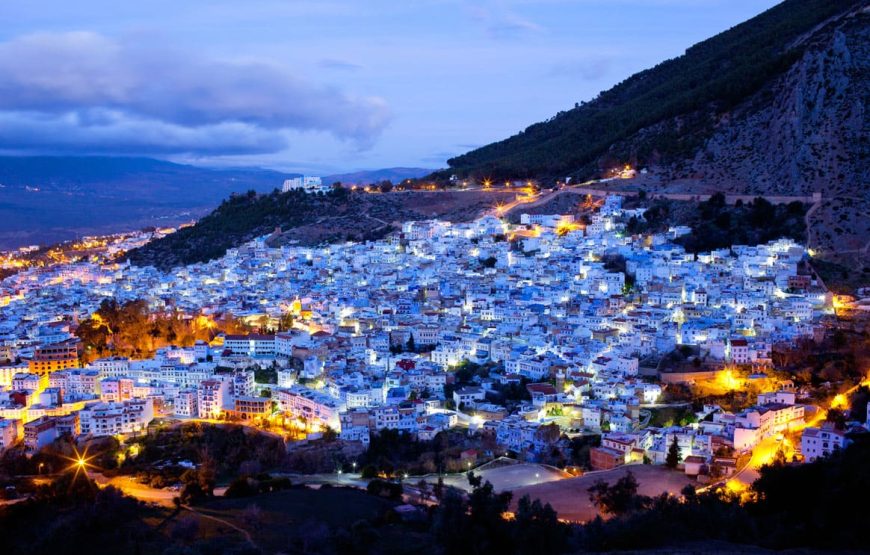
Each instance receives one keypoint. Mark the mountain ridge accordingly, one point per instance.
(776, 105)
(367, 177)
(45, 199)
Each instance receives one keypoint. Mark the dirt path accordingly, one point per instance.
(816, 205)
(238, 529)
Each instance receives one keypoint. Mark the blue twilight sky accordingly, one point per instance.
(320, 85)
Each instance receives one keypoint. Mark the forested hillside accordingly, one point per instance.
(710, 79)
(308, 219)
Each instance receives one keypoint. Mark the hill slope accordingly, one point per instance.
(47, 199)
(708, 81)
(308, 220)
(775, 105)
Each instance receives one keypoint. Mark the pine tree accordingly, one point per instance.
(673, 458)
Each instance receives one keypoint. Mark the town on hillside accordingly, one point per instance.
(527, 340)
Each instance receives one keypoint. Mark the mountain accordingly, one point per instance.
(774, 106)
(46, 199)
(367, 177)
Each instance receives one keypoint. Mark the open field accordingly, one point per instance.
(509, 477)
(570, 497)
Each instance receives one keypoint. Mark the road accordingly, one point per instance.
(647, 415)
(762, 454)
(133, 488)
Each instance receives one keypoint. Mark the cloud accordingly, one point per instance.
(332, 63)
(499, 21)
(108, 94)
(107, 131)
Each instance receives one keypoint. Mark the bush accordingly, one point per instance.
(382, 488)
(241, 487)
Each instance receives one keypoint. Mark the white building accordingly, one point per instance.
(758, 423)
(821, 442)
(212, 397)
(112, 367)
(252, 345)
(105, 419)
(308, 183)
(186, 403)
(316, 407)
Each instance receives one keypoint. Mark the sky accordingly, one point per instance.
(320, 86)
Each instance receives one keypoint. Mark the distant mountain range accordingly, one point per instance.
(367, 177)
(46, 199)
(777, 105)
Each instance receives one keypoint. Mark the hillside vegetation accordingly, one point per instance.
(238, 219)
(711, 78)
(717, 225)
(307, 219)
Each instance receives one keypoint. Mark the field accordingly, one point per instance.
(570, 497)
(509, 477)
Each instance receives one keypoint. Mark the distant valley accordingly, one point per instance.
(47, 199)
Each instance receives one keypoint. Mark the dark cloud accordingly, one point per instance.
(84, 91)
(101, 131)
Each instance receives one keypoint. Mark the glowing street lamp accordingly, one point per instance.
(80, 462)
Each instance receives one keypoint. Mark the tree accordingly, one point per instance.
(411, 347)
(369, 472)
(537, 528)
(286, 321)
(548, 434)
(438, 488)
(618, 499)
(673, 457)
(423, 486)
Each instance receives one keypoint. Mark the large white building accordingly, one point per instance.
(308, 183)
(252, 345)
(185, 403)
(821, 442)
(105, 419)
(316, 407)
(758, 423)
(212, 397)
